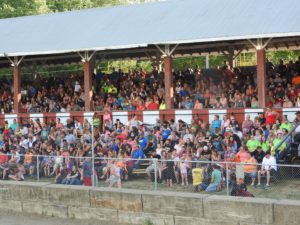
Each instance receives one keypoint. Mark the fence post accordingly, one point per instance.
(93, 158)
(37, 169)
(155, 173)
(227, 179)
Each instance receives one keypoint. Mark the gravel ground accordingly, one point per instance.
(21, 219)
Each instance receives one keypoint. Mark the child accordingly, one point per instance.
(183, 172)
(198, 175)
(115, 175)
(170, 170)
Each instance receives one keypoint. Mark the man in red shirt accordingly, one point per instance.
(152, 105)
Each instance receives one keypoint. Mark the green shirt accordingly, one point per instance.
(217, 176)
(276, 143)
(286, 126)
(14, 126)
(96, 122)
(264, 146)
(252, 145)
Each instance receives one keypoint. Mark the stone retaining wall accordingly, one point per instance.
(136, 206)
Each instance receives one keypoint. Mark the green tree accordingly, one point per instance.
(14, 8)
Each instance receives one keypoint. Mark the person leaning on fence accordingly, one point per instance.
(269, 167)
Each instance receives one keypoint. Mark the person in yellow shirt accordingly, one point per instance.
(162, 105)
(198, 177)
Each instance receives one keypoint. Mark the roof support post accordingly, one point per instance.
(168, 73)
(261, 70)
(207, 61)
(15, 63)
(169, 90)
(231, 56)
(88, 67)
(261, 76)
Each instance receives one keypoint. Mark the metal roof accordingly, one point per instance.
(133, 26)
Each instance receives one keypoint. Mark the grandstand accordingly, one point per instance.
(178, 115)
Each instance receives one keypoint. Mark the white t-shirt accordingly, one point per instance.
(268, 163)
(76, 88)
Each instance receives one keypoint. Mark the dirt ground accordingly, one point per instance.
(282, 189)
(21, 219)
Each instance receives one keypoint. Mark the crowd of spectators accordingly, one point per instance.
(121, 148)
(224, 87)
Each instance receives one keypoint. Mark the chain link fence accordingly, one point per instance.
(278, 181)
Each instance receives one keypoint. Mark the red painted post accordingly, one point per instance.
(261, 76)
(88, 93)
(169, 95)
(17, 89)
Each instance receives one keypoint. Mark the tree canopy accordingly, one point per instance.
(15, 8)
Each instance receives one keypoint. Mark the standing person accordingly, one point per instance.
(215, 123)
(170, 170)
(271, 116)
(268, 167)
(183, 172)
(216, 178)
(115, 175)
(87, 172)
(198, 177)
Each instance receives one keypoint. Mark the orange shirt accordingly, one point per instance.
(250, 168)
(296, 80)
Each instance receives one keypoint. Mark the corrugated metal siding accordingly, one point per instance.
(174, 21)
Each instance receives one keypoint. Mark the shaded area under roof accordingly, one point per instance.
(140, 26)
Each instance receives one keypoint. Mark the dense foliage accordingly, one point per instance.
(15, 8)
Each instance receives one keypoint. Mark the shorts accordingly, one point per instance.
(252, 174)
(114, 180)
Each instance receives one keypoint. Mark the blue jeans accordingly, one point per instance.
(212, 187)
(71, 181)
(74, 181)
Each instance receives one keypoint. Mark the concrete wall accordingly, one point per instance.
(135, 207)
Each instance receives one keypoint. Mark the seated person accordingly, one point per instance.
(268, 167)
(250, 169)
(137, 154)
(239, 188)
(216, 179)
